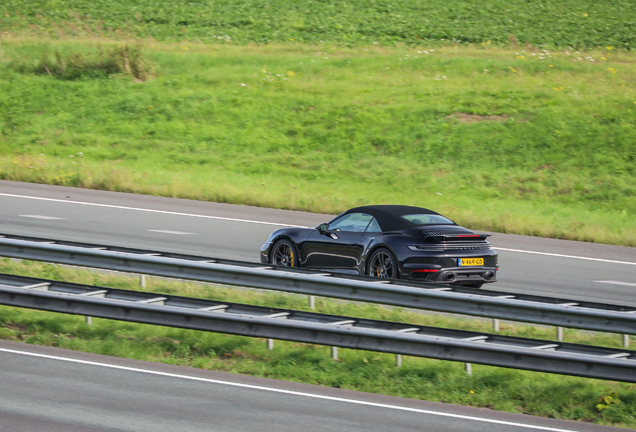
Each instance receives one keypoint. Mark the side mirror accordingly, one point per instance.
(322, 227)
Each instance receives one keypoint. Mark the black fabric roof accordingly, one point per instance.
(388, 216)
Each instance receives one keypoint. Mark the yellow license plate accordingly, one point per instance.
(471, 261)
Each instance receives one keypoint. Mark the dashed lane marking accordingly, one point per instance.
(617, 283)
(41, 217)
(172, 232)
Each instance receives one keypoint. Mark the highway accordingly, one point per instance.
(55, 390)
(50, 389)
(560, 268)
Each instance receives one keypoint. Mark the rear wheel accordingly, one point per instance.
(383, 265)
(284, 254)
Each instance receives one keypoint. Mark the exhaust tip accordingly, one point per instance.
(450, 276)
(490, 275)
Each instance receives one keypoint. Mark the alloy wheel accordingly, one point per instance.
(382, 266)
(283, 255)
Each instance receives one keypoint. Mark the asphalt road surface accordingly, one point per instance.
(559, 268)
(55, 390)
(49, 389)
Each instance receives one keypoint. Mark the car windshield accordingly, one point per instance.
(428, 219)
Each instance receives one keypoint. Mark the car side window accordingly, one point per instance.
(374, 227)
(351, 222)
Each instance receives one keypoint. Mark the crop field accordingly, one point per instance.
(563, 397)
(580, 24)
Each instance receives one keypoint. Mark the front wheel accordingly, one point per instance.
(382, 264)
(284, 254)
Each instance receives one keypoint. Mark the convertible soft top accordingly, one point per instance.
(389, 216)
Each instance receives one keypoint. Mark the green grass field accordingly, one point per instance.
(497, 388)
(522, 141)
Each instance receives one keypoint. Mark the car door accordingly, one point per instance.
(340, 245)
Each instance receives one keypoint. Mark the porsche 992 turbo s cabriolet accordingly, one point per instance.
(388, 241)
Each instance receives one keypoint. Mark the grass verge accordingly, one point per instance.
(598, 401)
(527, 141)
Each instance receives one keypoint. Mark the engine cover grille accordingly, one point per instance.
(447, 232)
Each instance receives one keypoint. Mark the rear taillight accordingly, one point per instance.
(425, 271)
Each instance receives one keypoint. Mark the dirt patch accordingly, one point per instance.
(16, 327)
(473, 118)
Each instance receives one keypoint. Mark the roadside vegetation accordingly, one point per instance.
(525, 140)
(598, 401)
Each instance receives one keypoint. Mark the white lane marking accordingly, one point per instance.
(41, 217)
(565, 256)
(171, 232)
(151, 211)
(618, 283)
(289, 392)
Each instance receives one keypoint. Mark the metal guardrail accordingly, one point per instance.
(309, 327)
(462, 300)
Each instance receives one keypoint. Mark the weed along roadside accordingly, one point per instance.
(602, 402)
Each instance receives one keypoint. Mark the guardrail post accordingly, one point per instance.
(495, 324)
(398, 360)
(334, 353)
(560, 334)
(270, 344)
(142, 280)
(89, 320)
(469, 368)
(312, 302)
(625, 341)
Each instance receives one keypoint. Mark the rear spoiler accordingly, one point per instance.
(462, 237)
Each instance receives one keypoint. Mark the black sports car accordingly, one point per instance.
(388, 241)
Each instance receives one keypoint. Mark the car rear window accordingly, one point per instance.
(428, 219)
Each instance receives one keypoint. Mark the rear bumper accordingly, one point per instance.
(456, 275)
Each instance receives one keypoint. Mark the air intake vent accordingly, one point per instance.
(447, 232)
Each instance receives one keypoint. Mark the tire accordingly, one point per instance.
(284, 254)
(382, 265)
